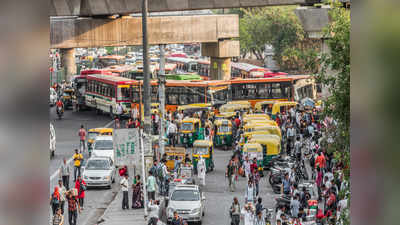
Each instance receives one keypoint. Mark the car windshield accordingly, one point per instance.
(187, 126)
(92, 135)
(97, 165)
(103, 145)
(201, 151)
(185, 195)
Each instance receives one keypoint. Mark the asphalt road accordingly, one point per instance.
(96, 200)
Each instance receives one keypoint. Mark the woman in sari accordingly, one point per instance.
(137, 196)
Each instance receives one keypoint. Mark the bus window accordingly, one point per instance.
(123, 94)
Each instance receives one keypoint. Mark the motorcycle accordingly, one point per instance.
(283, 201)
(60, 112)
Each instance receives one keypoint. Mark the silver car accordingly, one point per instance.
(188, 202)
(99, 172)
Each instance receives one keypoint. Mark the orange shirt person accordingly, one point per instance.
(320, 161)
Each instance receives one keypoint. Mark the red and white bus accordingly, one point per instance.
(104, 92)
(246, 70)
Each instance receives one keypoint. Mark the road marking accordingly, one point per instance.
(56, 173)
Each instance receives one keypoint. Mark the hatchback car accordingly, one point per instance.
(103, 146)
(99, 171)
(188, 202)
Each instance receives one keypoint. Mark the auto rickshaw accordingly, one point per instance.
(234, 108)
(94, 132)
(278, 106)
(204, 148)
(225, 115)
(259, 116)
(172, 153)
(185, 173)
(249, 126)
(247, 104)
(192, 108)
(67, 97)
(271, 147)
(255, 150)
(190, 131)
(223, 134)
(261, 106)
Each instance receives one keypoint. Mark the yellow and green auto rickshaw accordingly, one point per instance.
(67, 97)
(93, 133)
(255, 150)
(258, 116)
(271, 147)
(251, 124)
(225, 115)
(172, 154)
(280, 107)
(204, 148)
(234, 108)
(190, 131)
(248, 135)
(223, 134)
(246, 104)
(262, 106)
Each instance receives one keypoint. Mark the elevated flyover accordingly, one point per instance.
(125, 7)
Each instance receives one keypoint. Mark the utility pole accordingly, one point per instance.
(146, 78)
(146, 96)
(161, 93)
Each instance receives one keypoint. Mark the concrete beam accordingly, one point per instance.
(221, 49)
(110, 7)
(89, 32)
(313, 20)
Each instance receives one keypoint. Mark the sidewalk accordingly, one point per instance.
(114, 215)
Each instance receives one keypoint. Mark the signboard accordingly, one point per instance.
(126, 147)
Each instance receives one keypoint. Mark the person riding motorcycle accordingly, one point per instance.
(59, 106)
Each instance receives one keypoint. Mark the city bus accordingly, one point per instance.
(170, 68)
(245, 70)
(104, 92)
(203, 69)
(278, 88)
(121, 70)
(110, 60)
(183, 65)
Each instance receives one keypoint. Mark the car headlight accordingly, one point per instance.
(195, 211)
(106, 177)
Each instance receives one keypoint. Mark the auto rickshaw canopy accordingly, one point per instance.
(277, 106)
(272, 145)
(203, 147)
(259, 105)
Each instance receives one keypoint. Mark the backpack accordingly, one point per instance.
(54, 200)
(159, 172)
(82, 187)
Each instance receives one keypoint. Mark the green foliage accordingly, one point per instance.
(279, 27)
(110, 50)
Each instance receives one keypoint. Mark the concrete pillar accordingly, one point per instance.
(68, 62)
(220, 68)
(220, 54)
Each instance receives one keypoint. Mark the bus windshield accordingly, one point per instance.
(187, 126)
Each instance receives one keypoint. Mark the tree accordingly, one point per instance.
(279, 27)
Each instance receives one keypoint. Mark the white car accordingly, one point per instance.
(103, 146)
(188, 202)
(99, 171)
(53, 97)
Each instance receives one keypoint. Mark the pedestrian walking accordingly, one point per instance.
(151, 186)
(201, 167)
(124, 188)
(58, 218)
(120, 111)
(247, 167)
(234, 212)
(65, 173)
(285, 187)
(259, 220)
(231, 175)
(80, 185)
(62, 190)
(248, 214)
(77, 157)
(250, 194)
(295, 206)
(82, 139)
(55, 200)
(177, 220)
(171, 131)
(256, 180)
(73, 208)
(137, 195)
(154, 208)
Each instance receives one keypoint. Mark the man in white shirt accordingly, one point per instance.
(124, 187)
(120, 111)
(171, 133)
(62, 190)
(246, 167)
(180, 116)
(154, 209)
